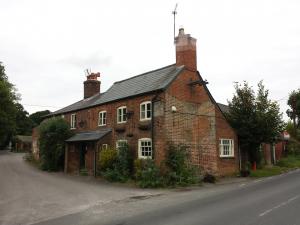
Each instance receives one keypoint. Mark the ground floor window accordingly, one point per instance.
(145, 148)
(226, 148)
(120, 144)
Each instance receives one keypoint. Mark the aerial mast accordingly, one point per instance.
(174, 13)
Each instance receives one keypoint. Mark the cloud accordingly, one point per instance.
(88, 61)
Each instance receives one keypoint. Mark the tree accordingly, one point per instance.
(24, 124)
(294, 111)
(38, 117)
(8, 111)
(256, 118)
(53, 133)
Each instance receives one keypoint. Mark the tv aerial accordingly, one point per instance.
(174, 13)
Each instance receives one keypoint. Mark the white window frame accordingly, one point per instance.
(73, 121)
(101, 119)
(226, 150)
(121, 118)
(118, 143)
(145, 117)
(140, 152)
(104, 146)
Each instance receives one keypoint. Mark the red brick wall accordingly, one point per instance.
(266, 148)
(226, 165)
(35, 143)
(279, 150)
(73, 159)
(131, 132)
(198, 124)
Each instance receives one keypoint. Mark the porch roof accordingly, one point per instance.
(89, 135)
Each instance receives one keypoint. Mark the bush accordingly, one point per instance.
(179, 170)
(209, 178)
(107, 159)
(121, 168)
(147, 174)
(53, 134)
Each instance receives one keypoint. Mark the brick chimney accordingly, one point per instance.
(186, 50)
(91, 86)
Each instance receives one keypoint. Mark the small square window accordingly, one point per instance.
(226, 148)
(145, 148)
(121, 144)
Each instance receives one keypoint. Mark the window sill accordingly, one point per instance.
(73, 128)
(145, 157)
(143, 120)
(227, 156)
(103, 125)
(122, 122)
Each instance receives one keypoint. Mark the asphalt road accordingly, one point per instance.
(274, 201)
(270, 201)
(28, 195)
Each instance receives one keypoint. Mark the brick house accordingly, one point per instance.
(148, 112)
(23, 143)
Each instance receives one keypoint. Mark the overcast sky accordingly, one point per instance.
(46, 45)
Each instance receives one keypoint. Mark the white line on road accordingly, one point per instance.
(280, 205)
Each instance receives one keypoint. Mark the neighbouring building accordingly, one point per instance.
(150, 111)
(23, 143)
(275, 151)
(35, 143)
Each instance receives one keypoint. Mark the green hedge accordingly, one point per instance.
(53, 133)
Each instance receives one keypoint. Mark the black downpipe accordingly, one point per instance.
(152, 124)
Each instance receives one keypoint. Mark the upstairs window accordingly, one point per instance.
(226, 148)
(73, 121)
(145, 148)
(102, 118)
(145, 111)
(122, 114)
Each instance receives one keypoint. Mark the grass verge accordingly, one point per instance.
(285, 164)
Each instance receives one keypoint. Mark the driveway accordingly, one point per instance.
(28, 195)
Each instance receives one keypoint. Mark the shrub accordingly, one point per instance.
(209, 178)
(114, 175)
(53, 134)
(121, 168)
(179, 170)
(147, 174)
(107, 159)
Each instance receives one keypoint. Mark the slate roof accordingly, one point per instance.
(89, 135)
(224, 108)
(141, 84)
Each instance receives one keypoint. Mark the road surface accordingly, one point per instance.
(29, 196)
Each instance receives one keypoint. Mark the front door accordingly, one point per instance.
(83, 150)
